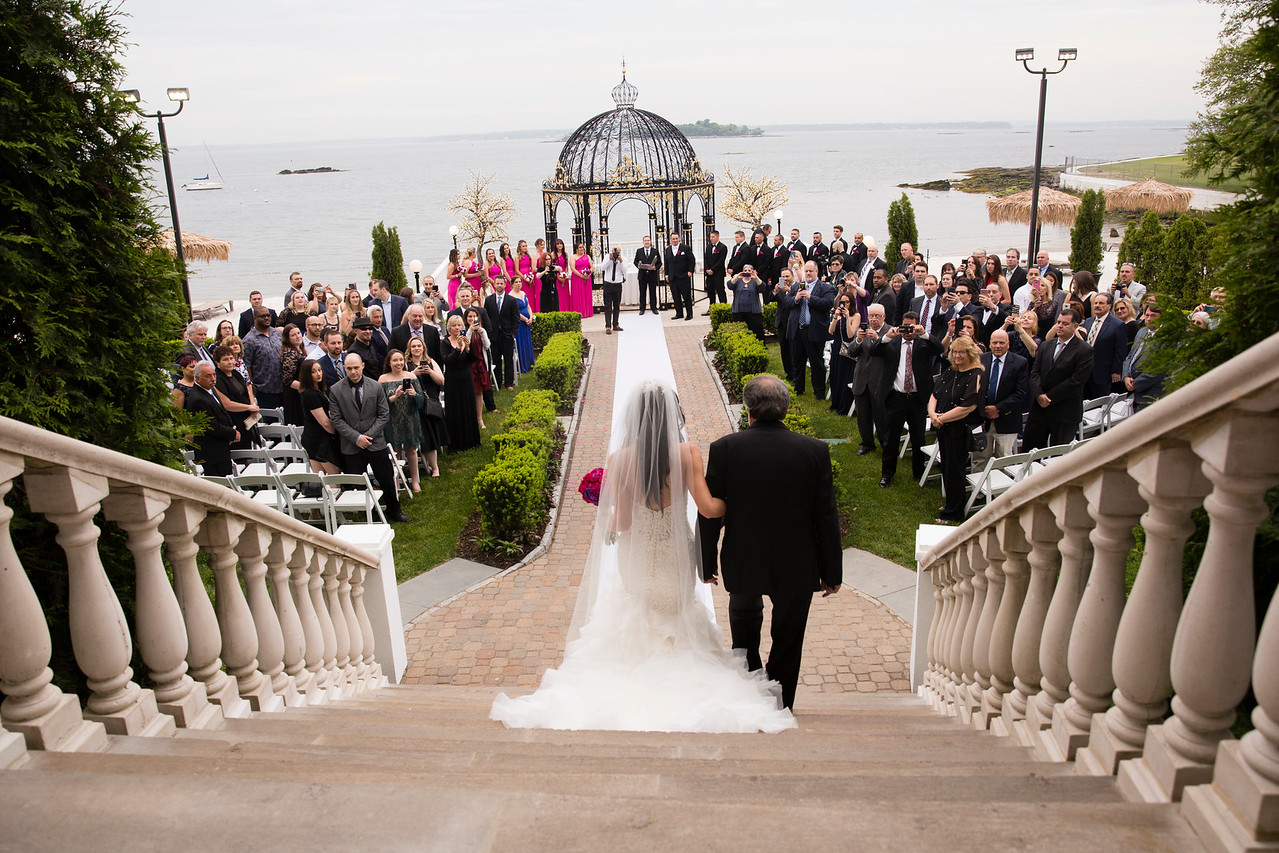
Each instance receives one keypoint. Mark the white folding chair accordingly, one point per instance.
(997, 477)
(265, 489)
(301, 506)
(188, 456)
(288, 460)
(1040, 458)
(401, 481)
(352, 493)
(272, 415)
(225, 482)
(1119, 410)
(276, 435)
(933, 452)
(1094, 420)
(251, 463)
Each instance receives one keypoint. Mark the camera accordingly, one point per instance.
(906, 328)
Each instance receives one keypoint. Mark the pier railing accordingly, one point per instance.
(1033, 637)
(288, 625)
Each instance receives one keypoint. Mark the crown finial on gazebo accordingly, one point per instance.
(624, 94)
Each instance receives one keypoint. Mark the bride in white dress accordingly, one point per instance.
(644, 652)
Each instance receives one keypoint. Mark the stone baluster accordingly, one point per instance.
(310, 678)
(251, 547)
(970, 697)
(99, 633)
(285, 682)
(961, 676)
(329, 675)
(357, 671)
(1013, 544)
(341, 632)
(182, 521)
(375, 676)
(218, 536)
(995, 582)
(1169, 479)
(1213, 648)
(1070, 508)
(932, 678)
(1043, 534)
(1115, 506)
(1242, 804)
(162, 634)
(33, 708)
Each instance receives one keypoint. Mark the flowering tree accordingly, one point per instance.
(485, 213)
(747, 199)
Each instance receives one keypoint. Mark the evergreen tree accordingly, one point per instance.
(1086, 249)
(901, 229)
(1183, 262)
(87, 311)
(388, 257)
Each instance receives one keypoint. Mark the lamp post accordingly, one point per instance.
(134, 97)
(777, 214)
(1024, 55)
(453, 233)
(415, 267)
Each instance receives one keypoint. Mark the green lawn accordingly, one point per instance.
(1170, 170)
(884, 520)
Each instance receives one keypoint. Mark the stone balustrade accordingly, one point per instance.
(1033, 637)
(286, 627)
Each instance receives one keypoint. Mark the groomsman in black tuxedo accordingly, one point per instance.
(761, 254)
(786, 548)
(796, 244)
(856, 252)
(679, 264)
(713, 260)
(1062, 366)
(819, 252)
(738, 256)
(504, 317)
(649, 263)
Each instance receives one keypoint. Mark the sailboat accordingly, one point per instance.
(206, 182)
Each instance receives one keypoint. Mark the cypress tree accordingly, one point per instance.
(901, 229)
(1086, 250)
(1183, 262)
(388, 257)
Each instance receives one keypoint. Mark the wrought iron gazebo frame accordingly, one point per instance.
(626, 154)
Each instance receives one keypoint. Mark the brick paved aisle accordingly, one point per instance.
(512, 629)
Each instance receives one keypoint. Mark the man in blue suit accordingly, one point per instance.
(1007, 394)
(1108, 337)
(393, 307)
(809, 302)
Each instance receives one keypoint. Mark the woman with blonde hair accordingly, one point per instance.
(953, 410)
(352, 307)
(472, 272)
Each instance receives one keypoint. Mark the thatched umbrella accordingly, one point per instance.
(1055, 208)
(1150, 195)
(196, 247)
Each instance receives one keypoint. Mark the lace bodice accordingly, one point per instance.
(647, 569)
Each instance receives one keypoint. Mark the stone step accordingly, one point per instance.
(52, 811)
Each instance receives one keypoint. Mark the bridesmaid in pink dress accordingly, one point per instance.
(507, 260)
(455, 277)
(473, 274)
(560, 259)
(492, 270)
(581, 298)
(524, 266)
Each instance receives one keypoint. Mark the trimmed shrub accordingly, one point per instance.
(549, 323)
(508, 493)
(720, 312)
(559, 367)
(536, 441)
(770, 316)
(532, 409)
(738, 354)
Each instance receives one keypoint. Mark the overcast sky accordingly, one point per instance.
(307, 70)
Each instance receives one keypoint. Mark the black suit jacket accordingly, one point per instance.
(214, 444)
(654, 257)
(714, 257)
(1063, 380)
(246, 321)
(333, 370)
(923, 356)
(797, 246)
(739, 254)
(679, 264)
(772, 546)
(821, 298)
(430, 336)
(1012, 394)
(820, 253)
(761, 257)
(985, 328)
(1016, 278)
(938, 324)
(1108, 354)
(857, 255)
(506, 321)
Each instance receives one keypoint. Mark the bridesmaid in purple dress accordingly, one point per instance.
(524, 266)
(581, 299)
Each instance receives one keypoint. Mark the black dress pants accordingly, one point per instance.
(790, 617)
(648, 289)
(911, 410)
(754, 322)
(1041, 431)
(952, 442)
(383, 474)
(805, 352)
(504, 359)
(715, 289)
(612, 304)
(872, 420)
(682, 296)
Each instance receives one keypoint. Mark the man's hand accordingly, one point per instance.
(990, 412)
(1128, 383)
(1114, 377)
(1043, 401)
(363, 442)
(713, 580)
(828, 590)
(237, 435)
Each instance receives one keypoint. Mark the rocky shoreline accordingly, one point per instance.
(992, 180)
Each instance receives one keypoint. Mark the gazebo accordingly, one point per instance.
(627, 154)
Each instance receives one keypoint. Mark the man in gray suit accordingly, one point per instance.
(360, 412)
(869, 386)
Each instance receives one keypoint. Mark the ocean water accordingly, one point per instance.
(321, 224)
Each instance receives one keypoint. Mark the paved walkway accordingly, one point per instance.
(510, 630)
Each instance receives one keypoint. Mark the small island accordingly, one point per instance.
(706, 127)
(315, 171)
(994, 180)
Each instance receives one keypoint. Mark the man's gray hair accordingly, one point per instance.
(196, 326)
(766, 397)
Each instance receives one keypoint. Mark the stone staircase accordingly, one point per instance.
(423, 768)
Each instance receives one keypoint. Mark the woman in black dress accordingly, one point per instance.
(430, 373)
(953, 411)
(548, 273)
(292, 355)
(843, 329)
(236, 397)
(459, 388)
(319, 438)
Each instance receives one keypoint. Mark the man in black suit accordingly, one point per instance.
(415, 326)
(713, 260)
(809, 302)
(362, 345)
(649, 262)
(866, 272)
(857, 252)
(1045, 266)
(393, 306)
(1057, 379)
(906, 266)
(331, 361)
(246, 317)
(989, 313)
(678, 263)
(1007, 392)
(870, 384)
(785, 549)
(360, 411)
(761, 254)
(909, 356)
(1108, 337)
(819, 253)
(927, 306)
(504, 317)
(1013, 271)
(781, 258)
(912, 286)
(739, 255)
(796, 244)
(213, 446)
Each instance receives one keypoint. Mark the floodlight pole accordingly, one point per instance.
(168, 180)
(1065, 55)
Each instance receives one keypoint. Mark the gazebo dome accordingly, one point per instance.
(627, 147)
